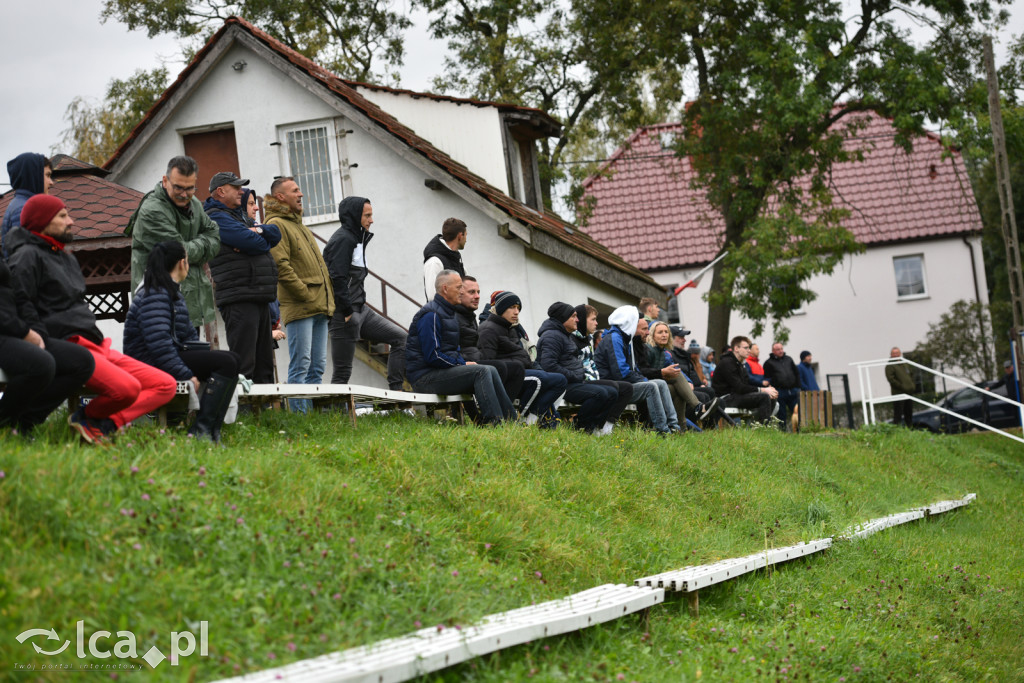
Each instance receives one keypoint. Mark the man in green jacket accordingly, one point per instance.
(900, 383)
(172, 212)
(303, 287)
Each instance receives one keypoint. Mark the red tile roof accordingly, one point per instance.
(99, 207)
(547, 223)
(647, 212)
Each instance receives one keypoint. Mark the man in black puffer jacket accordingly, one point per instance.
(245, 276)
(512, 373)
(353, 320)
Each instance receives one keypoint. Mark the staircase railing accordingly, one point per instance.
(868, 401)
(381, 307)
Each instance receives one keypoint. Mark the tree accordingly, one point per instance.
(960, 341)
(348, 37)
(593, 64)
(780, 84)
(95, 131)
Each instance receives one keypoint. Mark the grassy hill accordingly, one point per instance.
(305, 536)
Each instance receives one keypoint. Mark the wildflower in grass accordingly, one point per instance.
(2, 474)
(352, 540)
(538, 575)
(330, 535)
(124, 511)
(202, 470)
(734, 649)
(291, 647)
(202, 484)
(487, 546)
(271, 655)
(137, 546)
(455, 572)
(323, 553)
(135, 470)
(240, 521)
(150, 481)
(287, 563)
(145, 496)
(620, 677)
(417, 623)
(336, 596)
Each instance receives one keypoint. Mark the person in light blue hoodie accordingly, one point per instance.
(30, 174)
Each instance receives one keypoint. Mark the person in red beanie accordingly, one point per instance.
(50, 281)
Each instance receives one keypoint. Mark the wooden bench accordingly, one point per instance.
(258, 394)
(816, 408)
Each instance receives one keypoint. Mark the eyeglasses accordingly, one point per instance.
(178, 189)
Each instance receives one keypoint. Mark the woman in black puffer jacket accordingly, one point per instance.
(157, 332)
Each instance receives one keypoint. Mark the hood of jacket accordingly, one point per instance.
(246, 191)
(26, 172)
(626, 318)
(272, 208)
(705, 351)
(350, 213)
(212, 204)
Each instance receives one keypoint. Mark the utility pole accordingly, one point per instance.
(1009, 220)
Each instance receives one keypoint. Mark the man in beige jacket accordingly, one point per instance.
(303, 287)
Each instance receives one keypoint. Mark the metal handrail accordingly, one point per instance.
(384, 285)
(868, 402)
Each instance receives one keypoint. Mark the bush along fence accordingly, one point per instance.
(432, 649)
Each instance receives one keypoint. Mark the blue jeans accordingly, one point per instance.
(483, 381)
(307, 354)
(539, 394)
(659, 404)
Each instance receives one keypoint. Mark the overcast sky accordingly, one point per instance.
(54, 50)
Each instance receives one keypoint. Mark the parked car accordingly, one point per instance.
(972, 404)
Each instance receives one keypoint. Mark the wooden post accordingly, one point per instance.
(352, 409)
(693, 599)
(1009, 220)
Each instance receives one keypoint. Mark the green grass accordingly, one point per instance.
(305, 536)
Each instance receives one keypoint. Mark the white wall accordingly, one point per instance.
(469, 134)
(407, 214)
(857, 315)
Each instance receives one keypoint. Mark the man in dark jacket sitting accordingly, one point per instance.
(503, 338)
(434, 363)
(353, 320)
(781, 373)
(245, 276)
(557, 352)
(50, 281)
(512, 373)
(735, 386)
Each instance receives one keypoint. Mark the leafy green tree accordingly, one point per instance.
(594, 64)
(348, 37)
(95, 131)
(780, 84)
(961, 340)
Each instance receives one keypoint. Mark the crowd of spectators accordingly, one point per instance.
(271, 282)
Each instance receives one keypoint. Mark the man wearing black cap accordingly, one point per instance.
(170, 211)
(246, 277)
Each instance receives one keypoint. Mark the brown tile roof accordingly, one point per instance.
(99, 207)
(547, 223)
(647, 212)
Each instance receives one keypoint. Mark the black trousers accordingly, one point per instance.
(249, 335)
(512, 374)
(625, 390)
(903, 411)
(760, 403)
(206, 363)
(39, 380)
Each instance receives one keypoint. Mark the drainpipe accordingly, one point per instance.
(977, 291)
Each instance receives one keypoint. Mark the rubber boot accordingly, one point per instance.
(213, 405)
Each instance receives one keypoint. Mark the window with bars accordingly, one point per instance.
(312, 160)
(910, 283)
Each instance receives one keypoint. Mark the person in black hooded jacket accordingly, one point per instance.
(345, 255)
(30, 174)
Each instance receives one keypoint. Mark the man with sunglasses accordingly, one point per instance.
(171, 211)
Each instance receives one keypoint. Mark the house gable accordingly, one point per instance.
(512, 218)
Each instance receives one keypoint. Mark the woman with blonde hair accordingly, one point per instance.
(659, 357)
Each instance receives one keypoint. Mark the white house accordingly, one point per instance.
(249, 104)
(914, 212)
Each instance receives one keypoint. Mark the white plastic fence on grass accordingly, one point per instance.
(434, 648)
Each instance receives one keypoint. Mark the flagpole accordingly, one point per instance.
(699, 275)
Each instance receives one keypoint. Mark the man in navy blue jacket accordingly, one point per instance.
(246, 277)
(434, 363)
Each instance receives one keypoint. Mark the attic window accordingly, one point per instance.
(311, 158)
(519, 135)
